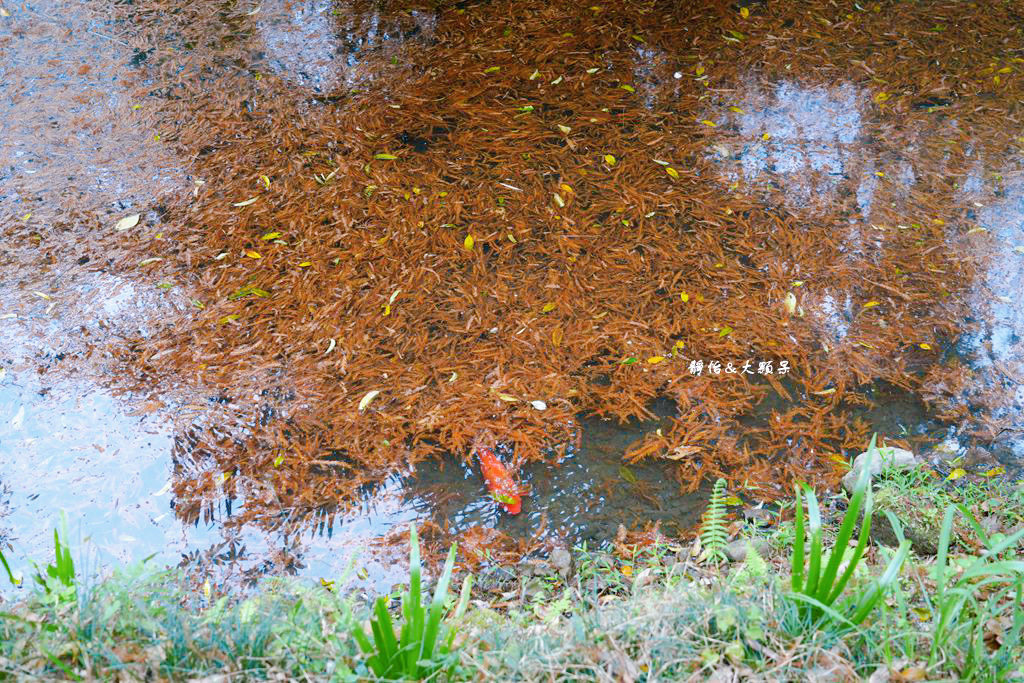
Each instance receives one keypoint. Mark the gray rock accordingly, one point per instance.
(737, 550)
(561, 560)
(886, 457)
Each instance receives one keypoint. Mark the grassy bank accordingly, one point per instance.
(643, 611)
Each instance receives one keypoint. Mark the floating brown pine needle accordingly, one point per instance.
(502, 181)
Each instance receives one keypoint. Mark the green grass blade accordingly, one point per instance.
(818, 606)
(858, 552)
(889, 576)
(460, 608)
(7, 568)
(945, 532)
(827, 592)
(415, 588)
(433, 626)
(384, 632)
(413, 607)
(814, 526)
(797, 578)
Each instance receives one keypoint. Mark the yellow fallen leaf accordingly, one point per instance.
(824, 392)
(127, 222)
(881, 97)
(684, 296)
(627, 88)
(271, 236)
(247, 202)
(229, 318)
(766, 136)
(672, 172)
(733, 500)
(871, 304)
(305, 264)
(956, 474)
(266, 180)
(559, 202)
(654, 360)
(567, 188)
(507, 398)
(609, 159)
(838, 458)
(707, 122)
(385, 157)
(744, 12)
(926, 346)
(699, 70)
(724, 331)
(994, 472)
(278, 460)
(468, 243)
(548, 307)
(627, 570)
(556, 336)
(565, 129)
(679, 345)
(370, 395)
(737, 110)
(253, 254)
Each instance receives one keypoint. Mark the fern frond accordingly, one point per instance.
(714, 535)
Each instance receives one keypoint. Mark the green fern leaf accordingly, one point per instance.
(713, 532)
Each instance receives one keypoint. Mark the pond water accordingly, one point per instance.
(134, 452)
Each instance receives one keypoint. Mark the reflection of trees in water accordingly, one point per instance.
(625, 220)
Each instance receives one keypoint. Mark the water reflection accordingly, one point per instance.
(319, 45)
(800, 139)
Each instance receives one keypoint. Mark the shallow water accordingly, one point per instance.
(81, 149)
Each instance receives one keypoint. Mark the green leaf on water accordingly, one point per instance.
(385, 157)
(724, 331)
(246, 291)
(627, 361)
(627, 474)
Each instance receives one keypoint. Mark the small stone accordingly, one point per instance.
(897, 458)
(561, 560)
(880, 675)
(738, 549)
